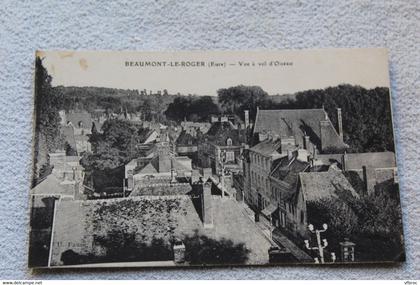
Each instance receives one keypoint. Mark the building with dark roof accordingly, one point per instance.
(80, 120)
(187, 143)
(310, 129)
(374, 167)
(147, 228)
(194, 127)
(261, 160)
(265, 157)
(314, 189)
(160, 165)
(377, 160)
(284, 178)
(76, 126)
(64, 182)
(222, 145)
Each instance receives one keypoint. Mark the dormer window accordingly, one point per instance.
(229, 142)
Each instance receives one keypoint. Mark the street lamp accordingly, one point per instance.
(320, 245)
(222, 164)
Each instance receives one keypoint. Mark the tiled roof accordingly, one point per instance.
(144, 134)
(186, 138)
(370, 160)
(153, 166)
(317, 186)
(162, 189)
(51, 185)
(288, 170)
(328, 159)
(148, 218)
(155, 221)
(219, 132)
(68, 134)
(78, 118)
(287, 123)
(267, 147)
(149, 168)
(203, 127)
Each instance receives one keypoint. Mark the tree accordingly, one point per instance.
(191, 108)
(47, 120)
(114, 147)
(235, 100)
(366, 114)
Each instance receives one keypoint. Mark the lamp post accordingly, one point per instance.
(222, 176)
(320, 245)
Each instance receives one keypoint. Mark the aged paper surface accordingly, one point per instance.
(213, 158)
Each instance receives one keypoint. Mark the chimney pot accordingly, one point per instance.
(369, 179)
(206, 204)
(340, 123)
(246, 118)
(179, 252)
(306, 142)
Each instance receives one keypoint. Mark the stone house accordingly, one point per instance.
(309, 129)
(312, 188)
(76, 126)
(224, 142)
(161, 164)
(373, 167)
(283, 181)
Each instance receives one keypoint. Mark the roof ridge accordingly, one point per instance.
(317, 109)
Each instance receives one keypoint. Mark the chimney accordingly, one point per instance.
(369, 179)
(179, 251)
(206, 205)
(74, 172)
(195, 176)
(289, 154)
(306, 142)
(173, 174)
(246, 119)
(340, 123)
(344, 161)
(130, 180)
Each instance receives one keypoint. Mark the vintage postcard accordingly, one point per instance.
(213, 158)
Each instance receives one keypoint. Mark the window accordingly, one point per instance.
(230, 156)
(302, 217)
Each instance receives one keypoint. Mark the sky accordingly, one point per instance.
(277, 72)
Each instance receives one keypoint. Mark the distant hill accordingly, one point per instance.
(152, 105)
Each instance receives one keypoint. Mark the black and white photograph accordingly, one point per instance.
(213, 158)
